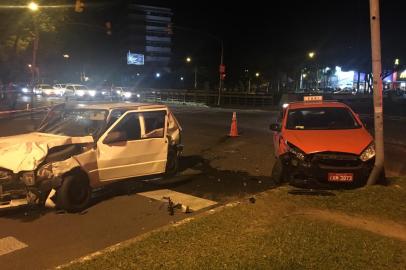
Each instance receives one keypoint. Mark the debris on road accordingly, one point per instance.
(252, 200)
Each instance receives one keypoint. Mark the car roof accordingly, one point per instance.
(125, 106)
(316, 104)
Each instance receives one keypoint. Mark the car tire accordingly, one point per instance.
(279, 174)
(172, 164)
(74, 193)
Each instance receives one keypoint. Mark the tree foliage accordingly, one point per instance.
(17, 29)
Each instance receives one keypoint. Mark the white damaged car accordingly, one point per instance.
(81, 148)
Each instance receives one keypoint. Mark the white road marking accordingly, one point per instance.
(10, 244)
(194, 203)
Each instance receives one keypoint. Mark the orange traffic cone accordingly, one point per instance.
(234, 130)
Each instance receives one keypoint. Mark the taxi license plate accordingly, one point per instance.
(340, 177)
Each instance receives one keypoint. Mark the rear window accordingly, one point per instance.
(323, 118)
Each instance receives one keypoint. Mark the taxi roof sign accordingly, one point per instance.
(312, 98)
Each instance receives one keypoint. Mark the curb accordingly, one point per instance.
(143, 236)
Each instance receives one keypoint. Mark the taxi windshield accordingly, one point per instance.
(323, 118)
(75, 122)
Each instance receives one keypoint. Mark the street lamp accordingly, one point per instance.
(257, 74)
(33, 6)
(66, 56)
(311, 54)
(188, 59)
(397, 61)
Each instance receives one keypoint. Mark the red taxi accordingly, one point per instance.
(321, 142)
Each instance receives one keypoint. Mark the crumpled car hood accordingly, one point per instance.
(25, 152)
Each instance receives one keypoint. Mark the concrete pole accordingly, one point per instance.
(377, 91)
(221, 79)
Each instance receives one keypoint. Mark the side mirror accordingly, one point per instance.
(275, 127)
(115, 137)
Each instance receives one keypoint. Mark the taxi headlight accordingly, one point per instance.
(127, 94)
(92, 93)
(368, 153)
(299, 154)
(28, 178)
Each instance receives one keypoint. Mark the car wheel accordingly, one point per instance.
(279, 174)
(74, 193)
(172, 163)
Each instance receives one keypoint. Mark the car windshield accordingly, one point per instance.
(75, 122)
(321, 119)
(81, 87)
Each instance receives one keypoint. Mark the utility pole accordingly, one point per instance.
(377, 91)
(221, 75)
(195, 69)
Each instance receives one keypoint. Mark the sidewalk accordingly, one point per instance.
(276, 230)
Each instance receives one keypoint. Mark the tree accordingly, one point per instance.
(17, 33)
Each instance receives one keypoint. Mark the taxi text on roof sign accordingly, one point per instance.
(312, 98)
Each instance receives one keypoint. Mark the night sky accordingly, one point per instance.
(278, 34)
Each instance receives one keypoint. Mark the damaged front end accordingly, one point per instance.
(33, 187)
(314, 170)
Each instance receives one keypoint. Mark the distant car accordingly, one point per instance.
(321, 143)
(24, 88)
(60, 87)
(78, 149)
(47, 90)
(79, 91)
(126, 93)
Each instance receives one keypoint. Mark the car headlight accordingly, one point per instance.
(25, 90)
(80, 93)
(92, 93)
(299, 154)
(45, 172)
(368, 153)
(28, 178)
(127, 94)
(118, 92)
(138, 95)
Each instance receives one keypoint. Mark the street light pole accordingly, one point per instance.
(195, 70)
(377, 91)
(35, 69)
(221, 79)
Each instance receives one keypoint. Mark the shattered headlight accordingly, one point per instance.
(299, 154)
(28, 178)
(45, 172)
(4, 175)
(368, 153)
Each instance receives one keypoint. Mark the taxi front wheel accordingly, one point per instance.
(279, 174)
(74, 193)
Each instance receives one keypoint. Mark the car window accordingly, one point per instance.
(69, 87)
(114, 116)
(154, 124)
(130, 125)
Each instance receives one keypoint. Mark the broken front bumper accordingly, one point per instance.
(314, 170)
(14, 192)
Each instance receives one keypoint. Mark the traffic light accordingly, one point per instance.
(108, 29)
(79, 6)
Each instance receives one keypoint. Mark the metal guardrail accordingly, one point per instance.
(209, 98)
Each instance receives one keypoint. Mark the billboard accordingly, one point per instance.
(135, 59)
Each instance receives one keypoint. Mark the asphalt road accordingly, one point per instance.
(232, 168)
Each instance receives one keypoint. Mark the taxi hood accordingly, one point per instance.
(25, 152)
(352, 141)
